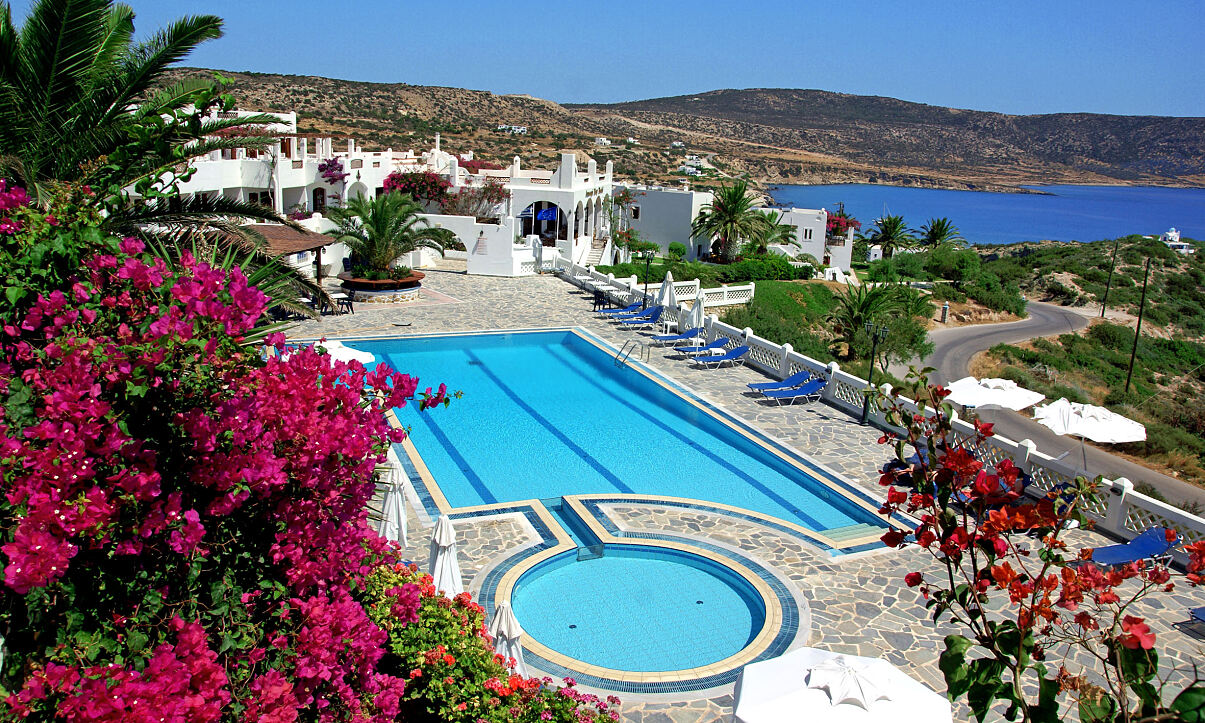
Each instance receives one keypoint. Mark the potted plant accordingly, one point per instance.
(378, 232)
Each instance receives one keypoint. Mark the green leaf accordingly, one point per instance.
(953, 665)
(1190, 704)
(1098, 709)
(1047, 708)
(136, 641)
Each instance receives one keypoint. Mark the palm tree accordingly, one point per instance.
(772, 232)
(81, 102)
(858, 306)
(890, 233)
(380, 230)
(940, 232)
(730, 217)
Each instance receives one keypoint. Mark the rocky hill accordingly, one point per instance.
(774, 136)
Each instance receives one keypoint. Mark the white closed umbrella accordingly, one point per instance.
(507, 633)
(814, 684)
(698, 312)
(341, 352)
(443, 565)
(1003, 393)
(666, 295)
(393, 508)
(1088, 421)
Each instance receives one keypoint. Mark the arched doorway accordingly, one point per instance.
(319, 198)
(357, 190)
(545, 219)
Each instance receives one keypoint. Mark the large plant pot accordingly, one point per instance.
(383, 291)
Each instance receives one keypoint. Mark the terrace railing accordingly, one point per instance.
(1118, 509)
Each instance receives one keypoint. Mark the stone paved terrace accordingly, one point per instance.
(858, 603)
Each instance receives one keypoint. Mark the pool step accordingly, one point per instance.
(852, 532)
(572, 524)
(589, 552)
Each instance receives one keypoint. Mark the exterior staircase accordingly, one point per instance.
(596, 251)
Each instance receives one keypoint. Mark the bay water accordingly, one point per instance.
(1058, 213)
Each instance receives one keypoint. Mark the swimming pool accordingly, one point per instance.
(546, 414)
(658, 610)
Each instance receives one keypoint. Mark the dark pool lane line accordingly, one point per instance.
(552, 429)
(783, 502)
(478, 484)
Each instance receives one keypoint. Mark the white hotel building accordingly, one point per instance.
(562, 209)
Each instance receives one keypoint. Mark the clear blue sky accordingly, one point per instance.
(1015, 56)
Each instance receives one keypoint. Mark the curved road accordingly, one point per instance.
(951, 357)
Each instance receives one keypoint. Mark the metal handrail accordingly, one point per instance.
(630, 346)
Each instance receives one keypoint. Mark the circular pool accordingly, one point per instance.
(639, 608)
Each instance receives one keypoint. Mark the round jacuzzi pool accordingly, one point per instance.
(639, 608)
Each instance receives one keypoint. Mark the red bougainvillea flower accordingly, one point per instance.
(1136, 633)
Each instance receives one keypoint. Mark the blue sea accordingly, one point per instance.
(1060, 213)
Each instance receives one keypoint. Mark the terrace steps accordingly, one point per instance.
(850, 532)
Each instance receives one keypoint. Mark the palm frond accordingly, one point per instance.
(147, 61)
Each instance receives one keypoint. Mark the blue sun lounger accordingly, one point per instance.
(675, 338)
(635, 314)
(649, 319)
(688, 351)
(792, 381)
(1151, 544)
(809, 392)
(626, 310)
(732, 356)
(1198, 615)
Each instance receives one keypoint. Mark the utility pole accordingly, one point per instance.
(1138, 329)
(1105, 301)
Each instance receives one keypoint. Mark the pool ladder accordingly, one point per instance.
(632, 346)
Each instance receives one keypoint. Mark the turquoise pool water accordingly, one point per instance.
(638, 609)
(546, 414)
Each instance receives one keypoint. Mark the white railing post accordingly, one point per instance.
(1115, 518)
(752, 290)
(709, 324)
(784, 361)
(830, 389)
(1025, 448)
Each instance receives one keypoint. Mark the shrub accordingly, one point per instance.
(1112, 336)
(184, 518)
(676, 251)
(452, 672)
(947, 292)
(987, 290)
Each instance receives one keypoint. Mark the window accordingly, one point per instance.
(635, 213)
(376, 164)
(807, 234)
(357, 163)
(319, 200)
(263, 198)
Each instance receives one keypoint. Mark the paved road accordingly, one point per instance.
(954, 347)
(952, 355)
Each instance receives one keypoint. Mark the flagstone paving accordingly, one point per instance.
(859, 604)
